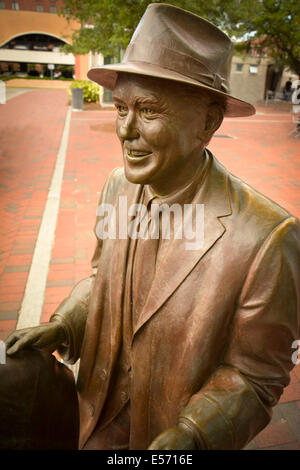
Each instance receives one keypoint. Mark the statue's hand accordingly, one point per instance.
(47, 336)
(178, 437)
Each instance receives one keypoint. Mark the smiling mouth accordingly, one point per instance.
(136, 154)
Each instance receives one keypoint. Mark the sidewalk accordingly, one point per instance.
(13, 92)
(257, 149)
(31, 125)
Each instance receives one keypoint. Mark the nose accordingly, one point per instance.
(128, 130)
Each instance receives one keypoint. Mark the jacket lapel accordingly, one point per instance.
(179, 261)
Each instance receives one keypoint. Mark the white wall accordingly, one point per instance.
(38, 57)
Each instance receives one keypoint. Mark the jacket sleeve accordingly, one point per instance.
(235, 403)
(72, 312)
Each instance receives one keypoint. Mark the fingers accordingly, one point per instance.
(15, 336)
(20, 342)
(47, 336)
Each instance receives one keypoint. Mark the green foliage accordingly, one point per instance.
(6, 78)
(268, 24)
(114, 21)
(107, 25)
(90, 90)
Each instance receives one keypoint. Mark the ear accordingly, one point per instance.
(214, 119)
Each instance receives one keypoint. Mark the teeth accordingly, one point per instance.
(136, 153)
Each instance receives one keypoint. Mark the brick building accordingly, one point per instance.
(255, 76)
(31, 33)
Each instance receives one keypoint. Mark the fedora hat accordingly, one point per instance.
(175, 44)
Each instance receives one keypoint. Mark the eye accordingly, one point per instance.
(122, 110)
(147, 112)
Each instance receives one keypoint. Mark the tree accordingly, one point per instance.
(272, 25)
(107, 25)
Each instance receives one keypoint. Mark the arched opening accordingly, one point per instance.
(36, 54)
(34, 42)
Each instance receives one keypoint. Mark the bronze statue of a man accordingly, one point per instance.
(179, 348)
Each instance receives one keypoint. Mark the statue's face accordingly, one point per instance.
(160, 132)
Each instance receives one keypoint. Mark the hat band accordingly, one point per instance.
(167, 58)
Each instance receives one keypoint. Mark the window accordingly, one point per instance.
(39, 8)
(15, 6)
(108, 59)
(52, 9)
(107, 94)
(253, 69)
(2, 6)
(239, 67)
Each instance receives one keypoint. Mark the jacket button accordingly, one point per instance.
(103, 374)
(124, 397)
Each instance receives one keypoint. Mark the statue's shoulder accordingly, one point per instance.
(117, 176)
(256, 210)
(116, 181)
(115, 185)
(251, 209)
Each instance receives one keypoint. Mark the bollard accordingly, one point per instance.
(2, 353)
(77, 98)
(2, 92)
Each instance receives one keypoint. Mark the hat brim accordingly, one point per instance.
(107, 77)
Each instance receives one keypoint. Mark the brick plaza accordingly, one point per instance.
(258, 149)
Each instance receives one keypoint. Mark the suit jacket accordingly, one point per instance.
(213, 345)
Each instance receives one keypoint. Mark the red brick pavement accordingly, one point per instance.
(257, 149)
(93, 152)
(31, 126)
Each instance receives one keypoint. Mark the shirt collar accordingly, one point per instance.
(184, 195)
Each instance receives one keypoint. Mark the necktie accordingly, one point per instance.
(143, 269)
